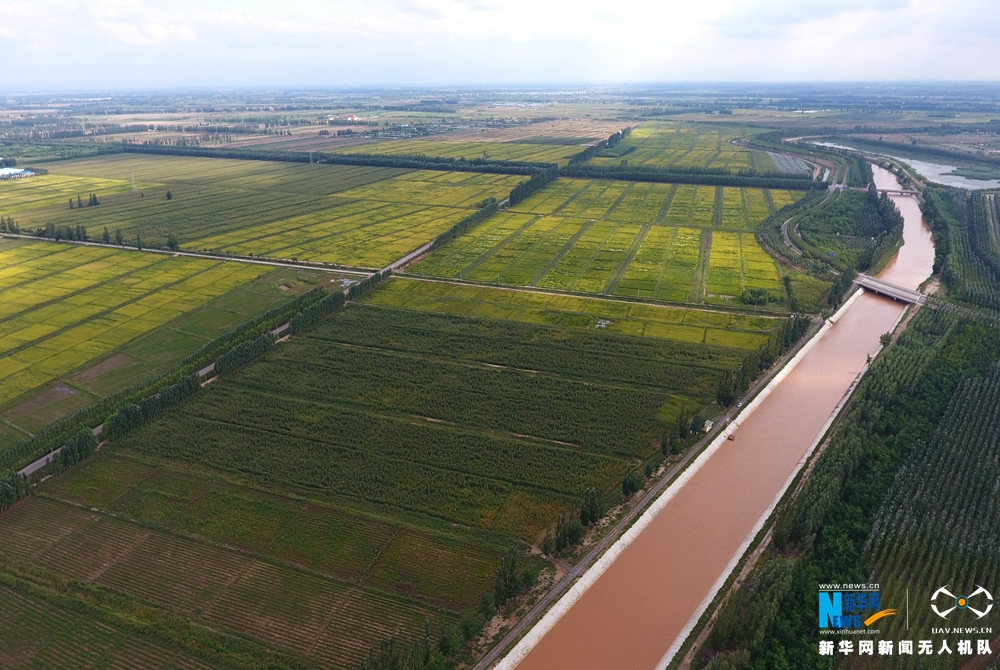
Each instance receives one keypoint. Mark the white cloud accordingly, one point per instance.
(119, 43)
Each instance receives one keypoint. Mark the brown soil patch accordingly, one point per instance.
(57, 393)
(95, 371)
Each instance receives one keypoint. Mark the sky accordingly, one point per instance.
(117, 44)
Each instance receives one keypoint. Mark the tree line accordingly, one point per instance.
(966, 253)
(537, 182)
(592, 151)
(487, 208)
(830, 529)
(9, 225)
(63, 431)
(411, 162)
(694, 175)
(736, 382)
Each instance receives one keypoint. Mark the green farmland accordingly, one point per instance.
(311, 584)
(666, 145)
(675, 242)
(356, 216)
(79, 323)
(362, 478)
(504, 151)
(61, 307)
(375, 224)
(365, 478)
(738, 331)
(209, 196)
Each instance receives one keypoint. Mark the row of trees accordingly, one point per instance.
(54, 232)
(129, 417)
(847, 525)
(735, 383)
(592, 151)
(313, 314)
(244, 353)
(692, 175)
(485, 210)
(79, 448)
(538, 181)
(13, 488)
(367, 284)
(9, 225)
(91, 201)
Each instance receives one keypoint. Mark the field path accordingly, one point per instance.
(701, 272)
(503, 243)
(544, 270)
(626, 260)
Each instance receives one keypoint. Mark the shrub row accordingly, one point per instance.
(462, 226)
(538, 181)
(313, 314)
(709, 176)
(240, 355)
(409, 162)
(592, 151)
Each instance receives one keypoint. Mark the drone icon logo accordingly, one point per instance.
(963, 602)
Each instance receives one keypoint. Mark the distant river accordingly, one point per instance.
(935, 172)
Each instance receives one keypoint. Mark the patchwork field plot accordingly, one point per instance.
(209, 195)
(362, 479)
(365, 478)
(505, 151)
(149, 353)
(655, 321)
(296, 611)
(40, 634)
(375, 225)
(678, 145)
(61, 306)
(630, 239)
(347, 215)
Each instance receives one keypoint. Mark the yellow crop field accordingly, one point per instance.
(725, 269)
(614, 237)
(62, 306)
(505, 151)
(51, 190)
(368, 226)
(654, 321)
(780, 198)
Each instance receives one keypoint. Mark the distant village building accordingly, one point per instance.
(13, 173)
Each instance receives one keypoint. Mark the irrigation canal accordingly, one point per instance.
(635, 607)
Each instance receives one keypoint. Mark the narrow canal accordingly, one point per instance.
(641, 607)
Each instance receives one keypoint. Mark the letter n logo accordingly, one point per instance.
(829, 606)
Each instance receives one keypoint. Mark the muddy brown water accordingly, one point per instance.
(636, 610)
